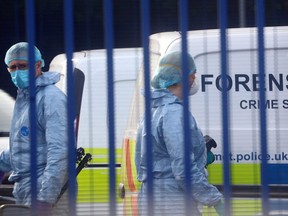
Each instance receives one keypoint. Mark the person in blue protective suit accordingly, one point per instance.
(51, 131)
(167, 137)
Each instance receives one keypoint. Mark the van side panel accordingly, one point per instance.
(243, 80)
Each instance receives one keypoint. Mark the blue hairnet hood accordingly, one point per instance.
(20, 51)
(169, 71)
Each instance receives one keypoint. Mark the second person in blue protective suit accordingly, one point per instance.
(168, 146)
(51, 132)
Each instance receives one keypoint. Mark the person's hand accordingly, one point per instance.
(220, 208)
(210, 143)
(44, 208)
(210, 158)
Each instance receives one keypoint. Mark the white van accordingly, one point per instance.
(244, 122)
(93, 136)
(6, 111)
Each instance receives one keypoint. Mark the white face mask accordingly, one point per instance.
(194, 87)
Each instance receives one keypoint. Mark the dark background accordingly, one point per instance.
(89, 23)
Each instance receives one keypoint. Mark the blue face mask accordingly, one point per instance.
(20, 78)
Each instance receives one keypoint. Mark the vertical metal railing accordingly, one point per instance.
(109, 43)
(69, 47)
(225, 104)
(183, 17)
(145, 27)
(262, 96)
(30, 20)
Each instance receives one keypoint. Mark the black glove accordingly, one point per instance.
(1, 176)
(210, 143)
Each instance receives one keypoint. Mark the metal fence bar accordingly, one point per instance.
(183, 13)
(263, 122)
(225, 104)
(30, 20)
(145, 31)
(109, 42)
(69, 41)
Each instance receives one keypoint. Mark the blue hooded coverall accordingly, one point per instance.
(168, 160)
(52, 142)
